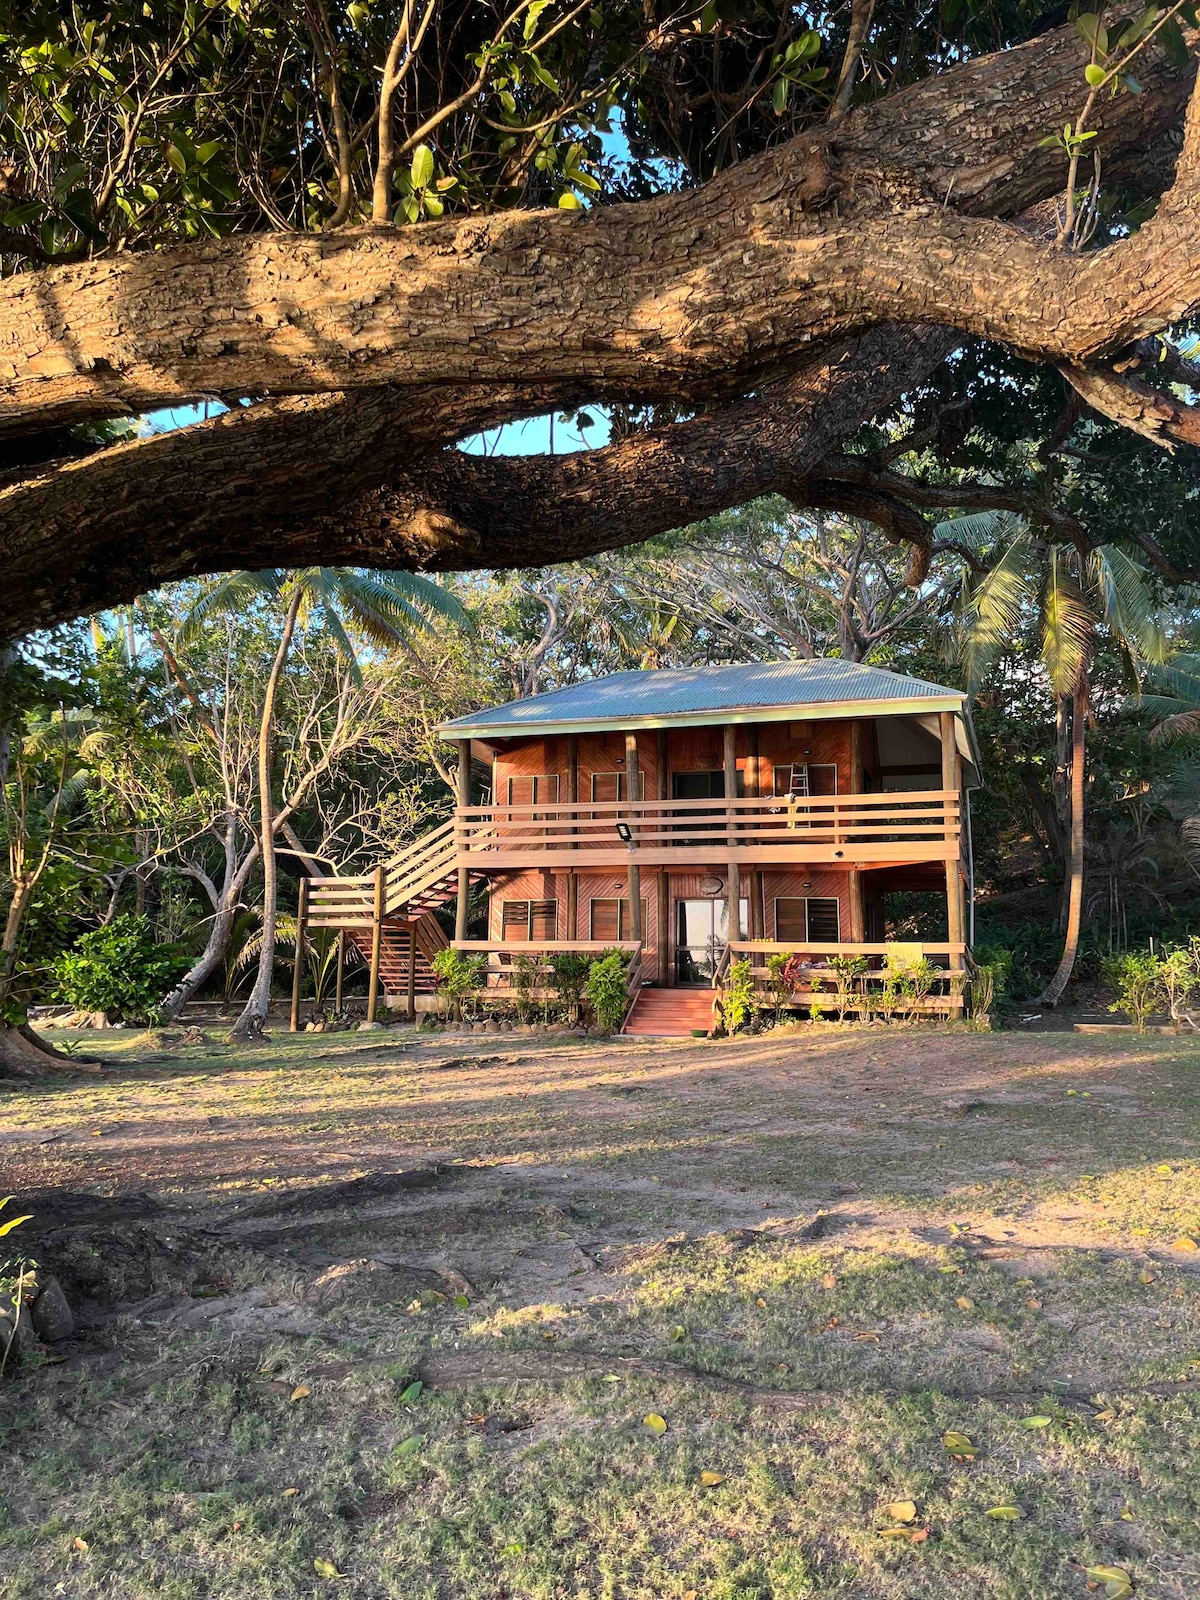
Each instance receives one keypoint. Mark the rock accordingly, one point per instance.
(492, 1027)
(595, 1033)
(506, 1027)
(370, 1027)
(17, 1342)
(50, 1313)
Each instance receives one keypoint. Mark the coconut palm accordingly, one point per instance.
(1070, 592)
(384, 609)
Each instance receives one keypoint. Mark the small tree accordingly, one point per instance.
(569, 975)
(781, 981)
(1179, 972)
(607, 989)
(739, 995)
(1137, 977)
(849, 972)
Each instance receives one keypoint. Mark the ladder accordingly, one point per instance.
(798, 790)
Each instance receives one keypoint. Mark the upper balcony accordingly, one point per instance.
(857, 829)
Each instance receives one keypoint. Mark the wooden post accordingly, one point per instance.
(298, 964)
(573, 799)
(662, 790)
(376, 940)
(858, 919)
(952, 783)
(412, 973)
(754, 789)
(464, 875)
(340, 974)
(635, 873)
(856, 757)
(733, 924)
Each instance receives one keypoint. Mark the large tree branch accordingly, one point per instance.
(701, 292)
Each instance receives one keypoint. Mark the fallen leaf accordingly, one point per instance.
(1036, 1422)
(1104, 1416)
(965, 1303)
(413, 1392)
(408, 1446)
(300, 1392)
(1146, 1276)
(866, 1337)
(902, 1511)
(761, 1302)
(1115, 1581)
(79, 1544)
(1004, 1513)
(289, 1493)
(678, 1332)
(461, 1301)
(1034, 1303)
(1163, 1166)
(711, 1479)
(960, 1445)
(1127, 1515)
(911, 1535)
(829, 1281)
(512, 1549)
(654, 1424)
(325, 1569)
(1184, 1243)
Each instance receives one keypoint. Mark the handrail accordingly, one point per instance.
(633, 984)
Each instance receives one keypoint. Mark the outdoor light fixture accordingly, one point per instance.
(624, 833)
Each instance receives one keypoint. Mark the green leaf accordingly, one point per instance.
(779, 96)
(1115, 1581)
(433, 206)
(175, 158)
(421, 170)
(1095, 74)
(412, 1393)
(568, 201)
(1173, 43)
(16, 1222)
(1004, 1513)
(326, 1569)
(409, 1446)
(1090, 26)
(1036, 1422)
(531, 18)
(461, 1301)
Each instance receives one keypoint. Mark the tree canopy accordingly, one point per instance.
(744, 229)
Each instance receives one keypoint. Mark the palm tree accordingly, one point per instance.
(1070, 591)
(382, 608)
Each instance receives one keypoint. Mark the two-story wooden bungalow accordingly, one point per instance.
(692, 815)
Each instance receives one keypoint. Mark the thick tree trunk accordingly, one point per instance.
(250, 1024)
(1057, 984)
(233, 882)
(24, 1055)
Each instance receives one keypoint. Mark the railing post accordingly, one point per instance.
(340, 975)
(573, 800)
(635, 872)
(376, 940)
(733, 925)
(412, 973)
(952, 787)
(298, 964)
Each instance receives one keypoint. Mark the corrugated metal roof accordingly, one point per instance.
(625, 698)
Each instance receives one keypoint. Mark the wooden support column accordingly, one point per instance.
(379, 906)
(572, 799)
(754, 789)
(412, 973)
(952, 784)
(662, 791)
(298, 964)
(858, 918)
(635, 872)
(464, 876)
(735, 876)
(856, 757)
(339, 976)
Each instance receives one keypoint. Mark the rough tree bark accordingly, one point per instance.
(1058, 983)
(757, 280)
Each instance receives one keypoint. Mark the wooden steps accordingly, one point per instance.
(395, 947)
(671, 1013)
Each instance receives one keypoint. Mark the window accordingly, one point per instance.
(608, 787)
(610, 920)
(538, 788)
(813, 921)
(533, 921)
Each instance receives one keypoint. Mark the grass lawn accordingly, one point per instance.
(385, 1316)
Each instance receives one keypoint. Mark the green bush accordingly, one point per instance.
(120, 970)
(607, 981)
(1138, 979)
(458, 976)
(569, 971)
(738, 999)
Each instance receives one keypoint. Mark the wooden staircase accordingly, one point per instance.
(400, 898)
(670, 1013)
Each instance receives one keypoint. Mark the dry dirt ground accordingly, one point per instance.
(385, 1315)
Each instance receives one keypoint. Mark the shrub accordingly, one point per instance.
(848, 970)
(1138, 979)
(525, 973)
(569, 971)
(738, 1000)
(781, 980)
(1179, 971)
(606, 989)
(458, 976)
(120, 970)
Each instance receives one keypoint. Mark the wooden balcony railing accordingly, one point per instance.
(818, 980)
(501, 969)
(910, 825)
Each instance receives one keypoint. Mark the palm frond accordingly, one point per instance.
(1129, 606)
(981, 530)
(1068, 628)
(990, 615)
(232, 591)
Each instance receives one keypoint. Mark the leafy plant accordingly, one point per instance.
(607, 989)
(569, 975)
(849, 972)
(1137, 977)
(739, 995)
(526, 970)
(1179, 973)
(12, 1282)
(120, 970)
(458, 976)
(781, 980)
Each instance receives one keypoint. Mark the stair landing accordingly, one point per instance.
(671, 1013)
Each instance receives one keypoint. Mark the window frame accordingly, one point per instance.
(508, 932)
(808, 900)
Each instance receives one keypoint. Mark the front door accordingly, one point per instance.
(701, 931)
